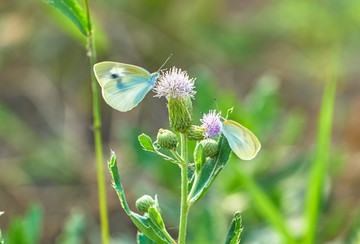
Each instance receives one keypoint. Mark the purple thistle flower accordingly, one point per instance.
(212, 124)
(175, 83)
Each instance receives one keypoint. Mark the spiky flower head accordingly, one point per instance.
(212, 124)
(175, 83)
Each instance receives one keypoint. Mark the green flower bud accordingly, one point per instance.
(144, 203)
(199, 157)
(167, 139)
(179, 114)
(210, 147)
(195, 133)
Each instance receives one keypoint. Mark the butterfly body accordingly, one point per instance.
(241, 140)
(124, 86)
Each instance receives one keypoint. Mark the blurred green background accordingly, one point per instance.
(268, 59)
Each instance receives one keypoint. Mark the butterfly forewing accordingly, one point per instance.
(107, 71)
(241, 140)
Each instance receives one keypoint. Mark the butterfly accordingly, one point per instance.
(124, 86)
(241, 140)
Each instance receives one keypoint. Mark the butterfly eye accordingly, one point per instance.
(114, 76)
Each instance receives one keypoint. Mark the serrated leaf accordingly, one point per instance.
(210, 170)
(235, 229)
(143, 239)
(117, 182)
(73, 11)
(150, 224)
(146, 142)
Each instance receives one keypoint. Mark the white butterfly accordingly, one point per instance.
(124, 86)
(241, 140)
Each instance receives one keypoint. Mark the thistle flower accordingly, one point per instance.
(175, 83)
(178, 89)
(212, 124)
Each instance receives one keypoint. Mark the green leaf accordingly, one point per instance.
(73, 11)
(26, 230)
(117, 183)
(199, 157)
(74, 228)
(210, 170)
(150, 224)
(146, 143)
(235, 229)
(143, 239)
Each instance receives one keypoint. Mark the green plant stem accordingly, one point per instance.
(97, 137)
(184, 190)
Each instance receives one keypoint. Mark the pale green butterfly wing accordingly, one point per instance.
(125, 100)
(123, 85)
(241, 140)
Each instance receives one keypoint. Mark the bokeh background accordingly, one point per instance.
(268, 59)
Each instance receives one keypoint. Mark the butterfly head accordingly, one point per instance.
(155, 76)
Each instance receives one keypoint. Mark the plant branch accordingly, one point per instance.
(97, 136)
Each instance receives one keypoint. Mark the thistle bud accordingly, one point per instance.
(195, 133)
(179, 114)
(210, 147)
(144, 203)
(167, 139)
(188, 104)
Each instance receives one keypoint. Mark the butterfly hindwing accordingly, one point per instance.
(124, 99)
(123, 85)
(241, 140)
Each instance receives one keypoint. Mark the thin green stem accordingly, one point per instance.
(184, 190)
(97, 137)
(177, 156)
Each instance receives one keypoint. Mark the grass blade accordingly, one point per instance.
(319, 167)
(264, 205)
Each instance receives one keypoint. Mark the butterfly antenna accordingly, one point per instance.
(165, 62)
(216, 104)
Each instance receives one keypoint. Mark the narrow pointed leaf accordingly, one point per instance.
(235, 229)
(73, 11)
(117, 183)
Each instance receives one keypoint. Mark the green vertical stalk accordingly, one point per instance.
(97, 136)
(319, 166)
(184, 190)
